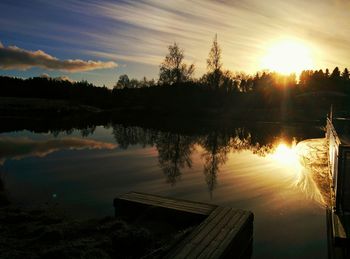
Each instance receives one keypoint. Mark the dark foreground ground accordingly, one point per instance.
(43, 233)
(47, 232)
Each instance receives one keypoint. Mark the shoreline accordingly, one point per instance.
(45, 233)
(23, 113)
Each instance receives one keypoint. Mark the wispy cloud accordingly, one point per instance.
(245, 29)
(12, 57)
(139, 32)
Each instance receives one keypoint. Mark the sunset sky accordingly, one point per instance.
(99, 40)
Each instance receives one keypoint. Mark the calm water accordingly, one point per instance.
(248, 167)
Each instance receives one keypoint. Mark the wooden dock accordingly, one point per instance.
(338, 214)
(223, 232)
(137, 198)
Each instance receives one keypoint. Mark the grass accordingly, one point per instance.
(43, 234)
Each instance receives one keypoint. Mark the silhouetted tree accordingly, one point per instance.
(173, 70)
(123, 82)
(147, 83)
(227, 82)
(214, 64)
(134, 83)
(304, 77)
(345, 74)
(336, 73)
(326, 74)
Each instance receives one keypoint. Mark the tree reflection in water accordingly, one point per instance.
(174, 154)
(126, 136)
(175, 149)
(216, 147)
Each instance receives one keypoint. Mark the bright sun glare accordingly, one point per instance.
(285, 155)
(288, 56)
(299, 169)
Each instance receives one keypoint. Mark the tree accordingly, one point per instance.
(228, 82)
(336, 73)
(146, 83)
(326, 74)
(173, 70)
(134, 83)
(123, 82)
(214, 63)
(303, 78)
(345, 74)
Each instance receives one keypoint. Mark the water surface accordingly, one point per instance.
(249, 167)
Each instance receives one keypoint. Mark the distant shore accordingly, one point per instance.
(38, 108)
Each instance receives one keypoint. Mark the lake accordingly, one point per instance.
(248, 166)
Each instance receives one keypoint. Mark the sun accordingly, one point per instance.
(285, 155)
(287, 56)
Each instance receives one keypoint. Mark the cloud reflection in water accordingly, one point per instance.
(19, 148)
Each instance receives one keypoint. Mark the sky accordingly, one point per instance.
(99, 40)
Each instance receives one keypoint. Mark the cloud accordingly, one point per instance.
(45, 75)
(19, 148)
(64, 78)
(12, 57)
(59, 78)
(139, 32)
(246, 29)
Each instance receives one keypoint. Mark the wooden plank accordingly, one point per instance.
(233, 225)
(176, 204)
(216, 242)
(169, 200)
(233, 234)
(224, 230)
(152, 198)
(215, 235)
(210, 228)
(213, 241)
(192, 209)
(186, 245)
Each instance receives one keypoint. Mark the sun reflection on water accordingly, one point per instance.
(301, 174)
(286, 155)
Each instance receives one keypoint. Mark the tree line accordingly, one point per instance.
(174, 71)
(176, 87)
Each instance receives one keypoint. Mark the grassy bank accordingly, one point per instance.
(47, 232)
(44, 233)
